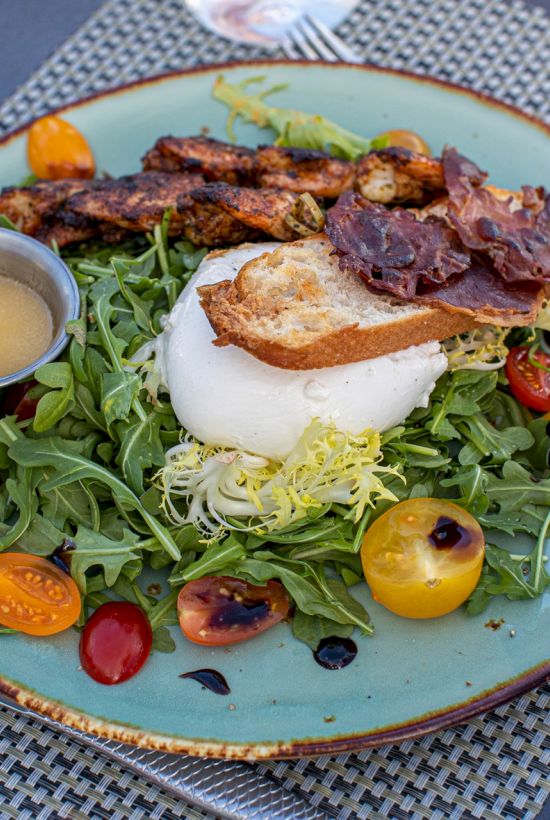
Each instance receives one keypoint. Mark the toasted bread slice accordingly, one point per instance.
(294, 308)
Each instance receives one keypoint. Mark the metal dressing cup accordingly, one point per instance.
(27, 261)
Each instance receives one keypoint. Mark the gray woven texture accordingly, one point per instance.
(496, 766)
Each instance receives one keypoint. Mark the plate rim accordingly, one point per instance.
(418, 726)
(448, 85)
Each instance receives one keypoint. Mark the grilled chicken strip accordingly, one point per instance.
(215, 160)
(134, 203)
(220, 214)
(303, 171)
(394, 175)
(390, 175)
(29, 207)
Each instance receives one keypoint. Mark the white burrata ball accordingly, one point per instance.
(224, 396)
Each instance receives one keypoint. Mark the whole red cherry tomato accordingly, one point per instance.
(529, 384)
(219, 610)
(17, 402)
(116, 642)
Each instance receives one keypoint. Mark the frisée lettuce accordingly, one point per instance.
(326, 466)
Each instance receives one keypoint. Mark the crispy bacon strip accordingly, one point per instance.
(425, 262)
(481, 292)
(517, 239)
(392, 250)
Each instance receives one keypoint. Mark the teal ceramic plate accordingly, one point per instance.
(412, 676)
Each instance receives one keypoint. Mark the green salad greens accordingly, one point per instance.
(293, 128)
(105, 468)
(105, 472)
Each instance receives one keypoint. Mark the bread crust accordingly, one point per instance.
(338, 347)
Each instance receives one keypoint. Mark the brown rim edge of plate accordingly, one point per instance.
(479, 96)
(424, 724)
(280, 750)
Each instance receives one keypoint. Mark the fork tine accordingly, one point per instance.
(289, 49)
(337, 45)
(297, 38)
(320, 48)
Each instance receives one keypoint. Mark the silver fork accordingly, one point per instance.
(312, 39)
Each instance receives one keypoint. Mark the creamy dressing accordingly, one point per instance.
(26, 326)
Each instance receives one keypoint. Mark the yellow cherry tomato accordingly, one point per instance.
(422, 558)
(401, 138)
(57, 150)
(36, 597)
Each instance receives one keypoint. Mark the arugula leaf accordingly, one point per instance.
(140, 449)
(311, 590)
(7, 224)
(311, 629)
(516, 488)
(55, 403)
(539, 454)
(518, 577)
(22, 494)
(485, 441)
(162, 640)
(95, 550)
(216, 559)
(70, 465)
(41, 537)
(118, 391)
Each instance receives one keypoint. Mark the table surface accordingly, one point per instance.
(37, 29)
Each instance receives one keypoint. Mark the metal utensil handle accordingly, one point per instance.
(230, 789)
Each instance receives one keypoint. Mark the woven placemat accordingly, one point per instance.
(496, 766)
(490, 45)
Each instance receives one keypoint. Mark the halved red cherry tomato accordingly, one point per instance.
(36, 597)
(407, 139)
(422, 558)
(116, 642)
(17, 402)
(529, 384)
(57, 150)
(216, 611)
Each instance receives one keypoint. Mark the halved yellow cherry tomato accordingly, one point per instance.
(422, 558)
(57, 150)
(36, 597)
(402, 138)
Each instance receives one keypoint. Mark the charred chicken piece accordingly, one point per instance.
(75, 229)
(29, 207)
(394, 175)
(215, 160)
(303, 171)
(221, 214)
(133, 203)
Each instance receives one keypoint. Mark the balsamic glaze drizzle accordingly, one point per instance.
(209, 679)
(448, 533)
(61, 557)
(335, 652)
